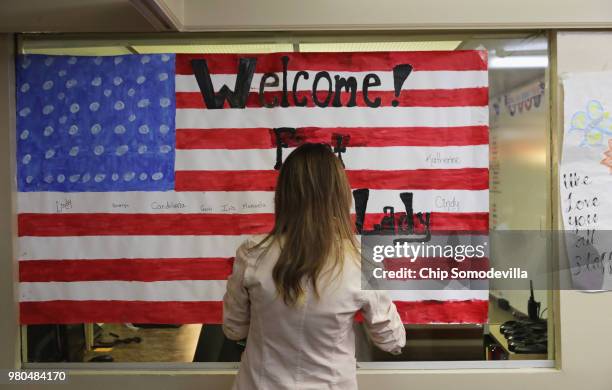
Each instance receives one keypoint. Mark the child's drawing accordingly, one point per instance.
(594, 124)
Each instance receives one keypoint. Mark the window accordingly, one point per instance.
(519, 145)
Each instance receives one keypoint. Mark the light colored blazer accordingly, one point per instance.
(312, 345)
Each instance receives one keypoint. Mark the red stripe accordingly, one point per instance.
(408, 98)
(210, 312)
(78, 312)
(418, 179)
(421, 179)
(262, 138)
(441, 264)
(427, 312)
(108, 224)
(141, 270)
(349, 62)
(152, 270)
(248, 180)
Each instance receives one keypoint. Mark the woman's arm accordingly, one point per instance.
(382, 321)
(236, 304)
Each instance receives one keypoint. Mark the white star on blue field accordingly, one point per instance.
(95, 123)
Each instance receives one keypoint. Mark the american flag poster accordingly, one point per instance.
(139, 175)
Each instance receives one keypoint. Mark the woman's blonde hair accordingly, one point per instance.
(312, 206)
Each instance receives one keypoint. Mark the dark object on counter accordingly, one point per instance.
(503, 304)
(114, 339)
(102, 359)
(533, 348)
(526, 336)
(213, 346)
(55, 343)
(533, 307)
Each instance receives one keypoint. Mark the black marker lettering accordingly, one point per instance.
(236, 98)
(370, 80)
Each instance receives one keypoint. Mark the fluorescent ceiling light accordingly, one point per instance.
(153, 49)
(379, 46)
(81, 51)
(512, 62)
(248, 48)
(533, 45)
(216, 49)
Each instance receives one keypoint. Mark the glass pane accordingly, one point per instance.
(518, 159)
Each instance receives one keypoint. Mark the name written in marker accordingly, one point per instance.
(250, 206)
(436, 159)
(444, 203)
(167, 205)
(62, 205)
(227, 208)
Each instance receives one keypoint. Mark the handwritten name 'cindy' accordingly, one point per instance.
(325, 90)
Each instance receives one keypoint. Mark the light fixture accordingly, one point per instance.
(379, 46)
(513, 62)
(527, 45)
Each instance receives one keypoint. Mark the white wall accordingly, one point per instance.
(215, 15)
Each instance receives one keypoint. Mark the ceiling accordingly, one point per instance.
(129, 16)
(312, 15)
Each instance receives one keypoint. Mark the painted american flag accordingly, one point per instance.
(134, 194)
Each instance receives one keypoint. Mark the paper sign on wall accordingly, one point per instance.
(585, 178)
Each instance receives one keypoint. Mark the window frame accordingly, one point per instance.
(47, 41)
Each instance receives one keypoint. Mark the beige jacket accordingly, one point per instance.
(311, 346)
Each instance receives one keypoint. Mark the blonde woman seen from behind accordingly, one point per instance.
(295, 292)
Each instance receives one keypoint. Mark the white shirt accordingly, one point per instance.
(311, 345)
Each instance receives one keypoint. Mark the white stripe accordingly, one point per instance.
(186, 290)
(153, 247)
(234, 202)
(371, 158)
(332, 117)
(465, 201)
(183, 290)
(117, 247)
(437, 295)
(441, 79)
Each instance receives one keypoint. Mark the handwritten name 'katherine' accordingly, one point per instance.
(438, 159)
